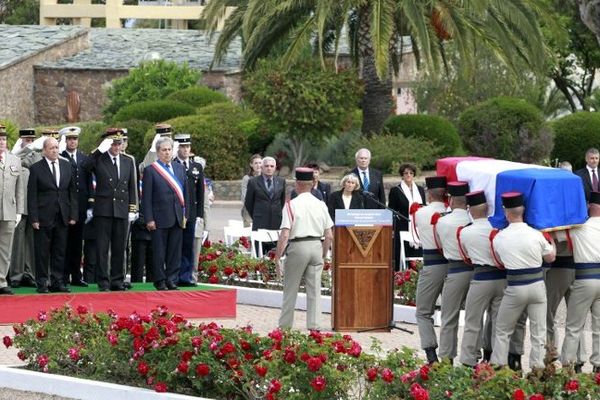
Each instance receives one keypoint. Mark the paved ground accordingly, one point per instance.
(265, 319)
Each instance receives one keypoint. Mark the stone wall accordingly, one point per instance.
(17, 95)
(52, 86)
(228, 83)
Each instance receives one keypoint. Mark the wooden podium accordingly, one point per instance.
(363, 273)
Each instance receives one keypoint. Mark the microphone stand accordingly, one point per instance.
(397, 216)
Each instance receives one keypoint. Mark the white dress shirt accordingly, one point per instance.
(57, 167)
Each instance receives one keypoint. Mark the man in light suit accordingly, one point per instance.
(371, 180)
(113, 205)
(589, 174)
(11, 205)
(52, 205)
(164, 204)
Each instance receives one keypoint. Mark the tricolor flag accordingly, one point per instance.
(554, 198)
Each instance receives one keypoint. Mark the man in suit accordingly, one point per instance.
(52, 205)
(11, 205)
(371, 180)
(75, 237)
(265, 198)
(195, 190)
(161, 131)
(164, 204)
(113, 205)
(589, 174)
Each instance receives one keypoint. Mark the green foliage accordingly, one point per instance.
(20, 12)
(12, 132)
(574, 134)
(198, 96)
(436, 129)
(389, 151)
(91, 133)
(154, 111)
(506, 128)
(136, 132)
(152, 80)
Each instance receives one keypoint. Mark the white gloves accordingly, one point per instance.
(17, 147)
(89, 215)
(105, 145)
(199, 228)
(62, 144)
(153, 145)
(38, 144)
(18, 219)
(175, 148)
(131, 217)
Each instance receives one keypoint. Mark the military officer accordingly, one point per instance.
(522, 250)
(435, 266)
(162, 130)
(305, 221)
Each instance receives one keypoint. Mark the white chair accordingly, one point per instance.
(405, 236)
(233, 233)
(257, 238)
(235, 223)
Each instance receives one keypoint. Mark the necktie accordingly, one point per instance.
(116, 167)
(54, 174)
(270, 186)
(365, 180)
(185, 165)
(594, 180)
(169, 168)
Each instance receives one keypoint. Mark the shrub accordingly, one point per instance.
(154, 111)
(574, 134)
(430, 127)
(198, 96)
(506, 128)
(90, 136)
(389, 151)
(12, 132)
(136, 132)
(152, 80)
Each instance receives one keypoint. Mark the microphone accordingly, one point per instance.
(367, 193)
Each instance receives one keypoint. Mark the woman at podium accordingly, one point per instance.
(349, 197)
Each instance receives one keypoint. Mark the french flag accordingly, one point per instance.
(554, 198)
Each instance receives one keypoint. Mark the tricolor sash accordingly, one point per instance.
(171, 180)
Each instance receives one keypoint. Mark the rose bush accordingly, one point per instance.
(405, 284)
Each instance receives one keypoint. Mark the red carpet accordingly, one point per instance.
(190, 304)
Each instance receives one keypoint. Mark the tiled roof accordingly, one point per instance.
(18, 42)
(125, 48)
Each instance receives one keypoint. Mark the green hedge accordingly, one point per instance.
(506, 128)
(12, 131)
(136, 132)
(198, 96)
(154, 111)
(574, 134)
(436, 129)
(91, 133)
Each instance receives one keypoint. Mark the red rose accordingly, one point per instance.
(40, 334)
(339, 347)
(22, 356)
(245, 345)
(572, 386)
(202, 369)
(418, 392)
(537, 396)
(448, 393)
(424, 372)
(42, 316)
(316, 336)
(372, 374)
(7, 341)
(326, 266)
(112, 339)
(152, 334)
(213, 279)
(289, 356)
(518, 394)
(81, 309)
(387, 375)
(160, 387)
(42, 360)
(187, 356)
(318, 383)
(228, 270)
(260, 370)
(248, 356)
(412, 264)
(597, 378)
(355, 349)
(143, 368)
(196, 341)
(18, 329)
(213, 269)
(228, 348)
(183, 367)
(137, 330)
(74, 354)
(274, 386)
(314, 364)
(206, 244)
(243, 274)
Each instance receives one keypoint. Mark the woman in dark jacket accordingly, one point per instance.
(349, 197)
(401, 197)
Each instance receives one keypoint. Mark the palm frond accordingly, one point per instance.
(382, 28)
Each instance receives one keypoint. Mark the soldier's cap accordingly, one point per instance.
(27, 133)
(512, 199)
(116, 134)
(3, 131)
(475, 198)
(163, 129)
(70, 131)
(304, 174)
(183, 138)
(125, 135)
(436, 182)
(51, 133)
(458, 188)
(594, 197)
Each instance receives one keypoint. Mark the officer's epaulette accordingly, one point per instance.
(128, 155)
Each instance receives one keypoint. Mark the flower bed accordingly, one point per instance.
(165, 352)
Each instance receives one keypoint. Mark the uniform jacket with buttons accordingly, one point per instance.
(114, 196)
(194, 189)
(12, 191)
(82, 180)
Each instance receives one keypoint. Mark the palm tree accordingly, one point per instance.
(590, 15)
(376, 28)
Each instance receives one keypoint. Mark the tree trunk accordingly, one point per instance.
(589, 10)
(377, 100)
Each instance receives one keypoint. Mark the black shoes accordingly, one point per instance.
(487, 355)
(514, 362)
(59, 289)
(172, 286)
(80, 283)
(5, 290)
(42, 289)
(187, 284)
(578, 368)
(121, 288)
(431, 355)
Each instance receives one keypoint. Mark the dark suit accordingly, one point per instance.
(114, 197)
(336, 202)
(195, 209)
(264, 208)
(75, 235)
(161, 205)
(375, 186)
(584, 174)
(52, 207)
(399, 202)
